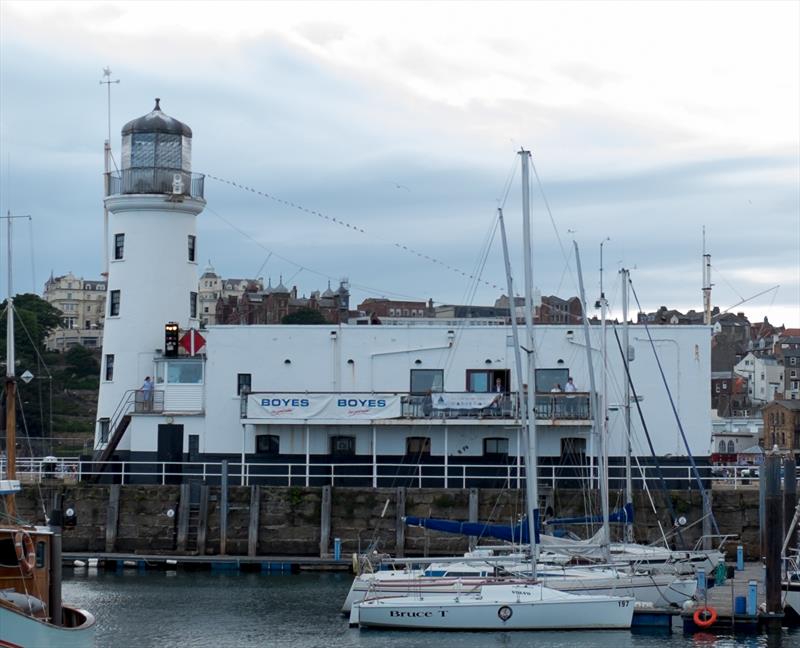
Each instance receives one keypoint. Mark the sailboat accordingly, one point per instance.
(503, 605)
(31, 612)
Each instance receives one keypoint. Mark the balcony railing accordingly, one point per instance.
(505, 405)
(151, 402)
(157, 180)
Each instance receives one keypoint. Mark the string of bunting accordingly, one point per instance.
(354, 228)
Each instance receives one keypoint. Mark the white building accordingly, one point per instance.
(764, 377)
(441, 396)
(82, 303)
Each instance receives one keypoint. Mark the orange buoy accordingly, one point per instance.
(705, 617)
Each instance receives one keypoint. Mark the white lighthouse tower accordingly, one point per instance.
(153, 205)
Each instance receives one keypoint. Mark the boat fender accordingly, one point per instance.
(356, 569)
(705, 617)
(26, 556)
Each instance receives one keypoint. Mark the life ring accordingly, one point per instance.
(26, 556)
(705, 617)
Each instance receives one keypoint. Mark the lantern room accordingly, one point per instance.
(157, 157)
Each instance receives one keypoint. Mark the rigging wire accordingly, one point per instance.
(350, 226)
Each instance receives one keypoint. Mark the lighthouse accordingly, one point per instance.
(153, 203)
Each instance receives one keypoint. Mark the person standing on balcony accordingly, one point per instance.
(147, 394)
(570, 388)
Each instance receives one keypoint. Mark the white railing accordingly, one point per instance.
(414, 475)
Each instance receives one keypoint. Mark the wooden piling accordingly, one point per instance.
(223, 509)
(325, 522)
(255, 512)
(183, 517)
(202, 520)
(773, 539)
(400, 525)
(473, 514)
(112, 517)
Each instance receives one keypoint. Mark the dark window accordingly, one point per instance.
(109, 366)
(418, 447)
(425, 381)
(119, 246)
(268, 444)
(192, 243)
(496, 447)
(113, 303)
(343, 446)
(194, 447)
(41, 553)
(104, 430)
(244, 382)
(488, 380)
(192, 304)
(546, 379)
(8, 554)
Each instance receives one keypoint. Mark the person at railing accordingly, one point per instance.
(570, 388)
(147, 395)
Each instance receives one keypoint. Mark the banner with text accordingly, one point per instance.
(464, 400)
(323, 406)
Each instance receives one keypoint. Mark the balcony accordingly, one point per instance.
(157, 180)
(553, 408)
(466, 405)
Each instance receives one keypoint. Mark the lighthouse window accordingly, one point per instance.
(113, 305)
(143, 150)
(168, 151)
(192, 304)
(119, 246)
(192, 242)
(109, 366)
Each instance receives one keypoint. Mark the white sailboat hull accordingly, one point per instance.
(25, 631)
(498, 607)
(662, 590)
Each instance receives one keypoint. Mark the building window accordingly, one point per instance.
(194, 447)
(731, 448)
(426, 381)
(192, 304)
(244, 382)
(418, 447)
(793, 361)
(113, 303)
(119, 246)
(343, 446)
(496, 447)
(192, 244)
(722, 447)
(185, 372)
(109, 366)
(104, 430)
(268, 444)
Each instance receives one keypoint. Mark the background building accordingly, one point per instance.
(82, 301)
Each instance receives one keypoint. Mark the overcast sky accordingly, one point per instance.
(647, 121)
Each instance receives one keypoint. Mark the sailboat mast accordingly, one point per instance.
(523, 413)
(624, 273)
(706, 283)
(10, 387)
(531, 456)
(604, 429)
(595, 405)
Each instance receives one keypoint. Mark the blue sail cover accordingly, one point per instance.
(622, 516)
(517, 533)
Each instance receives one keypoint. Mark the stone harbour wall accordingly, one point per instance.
(295, 521)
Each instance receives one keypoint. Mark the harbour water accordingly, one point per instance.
(199, 609)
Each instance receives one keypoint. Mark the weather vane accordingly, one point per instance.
(107, 81)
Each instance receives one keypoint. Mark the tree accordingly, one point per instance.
(304, 316)
(35, 320)
(81, 362)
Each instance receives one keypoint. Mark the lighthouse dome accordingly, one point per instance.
(156, 121)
